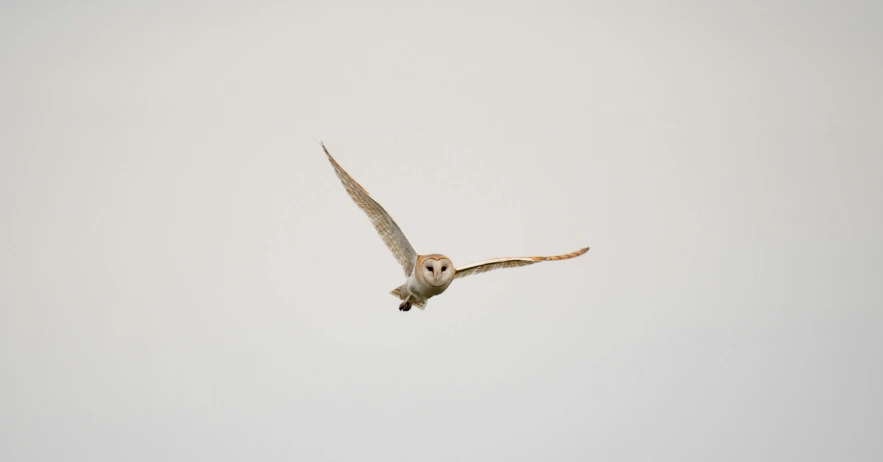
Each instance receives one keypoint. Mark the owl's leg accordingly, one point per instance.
(406, 305)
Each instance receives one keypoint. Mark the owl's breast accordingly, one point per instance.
(424, 290)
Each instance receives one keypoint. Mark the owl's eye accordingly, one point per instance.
(444, 268)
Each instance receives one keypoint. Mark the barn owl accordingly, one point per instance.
(427, 275)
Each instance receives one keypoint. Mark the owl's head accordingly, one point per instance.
(436, 270)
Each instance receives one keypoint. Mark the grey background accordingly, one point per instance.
(183, 277)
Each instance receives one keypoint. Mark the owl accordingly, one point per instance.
(427, 275)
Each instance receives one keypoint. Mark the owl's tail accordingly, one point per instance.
(402, 294)
(399, 292)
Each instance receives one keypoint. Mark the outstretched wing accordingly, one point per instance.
(392, 236)
(510, 262)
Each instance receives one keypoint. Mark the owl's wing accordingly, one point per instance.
(510, 262)
(392, 236)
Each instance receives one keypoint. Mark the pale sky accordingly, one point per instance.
(184, 278)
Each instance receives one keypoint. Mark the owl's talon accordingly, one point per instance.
(405, 306)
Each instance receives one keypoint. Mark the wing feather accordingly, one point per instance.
(386, 227)
(510, 262)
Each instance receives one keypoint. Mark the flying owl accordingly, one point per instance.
(427, 275)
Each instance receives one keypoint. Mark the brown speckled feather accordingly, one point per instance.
(386, 227)
(510, 262)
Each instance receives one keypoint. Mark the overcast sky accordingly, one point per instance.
(184, 278)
